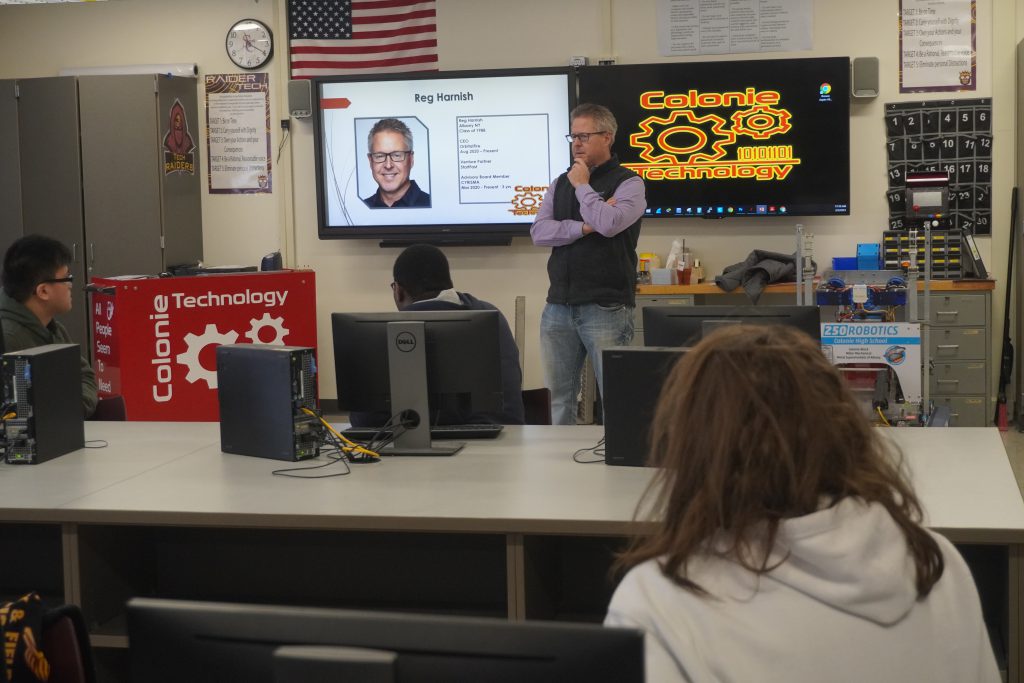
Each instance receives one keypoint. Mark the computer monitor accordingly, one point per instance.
(412, 364)
(175, 640)
(686, 325)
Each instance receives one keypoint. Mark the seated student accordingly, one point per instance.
(789, 546)
(423, 282)
(36, 287)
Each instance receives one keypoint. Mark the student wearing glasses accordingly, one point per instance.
(391, 156)
(590, 217)
(37, 287)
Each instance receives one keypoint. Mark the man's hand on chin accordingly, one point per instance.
(579, 174)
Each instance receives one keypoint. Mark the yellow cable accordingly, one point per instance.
(353, 446)
(882, 415)
(8, 416)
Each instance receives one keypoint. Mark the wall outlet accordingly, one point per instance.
(605, 61)
(578, 61)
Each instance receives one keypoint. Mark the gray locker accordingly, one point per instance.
(10, 167)
(51, 177)
(110, 166)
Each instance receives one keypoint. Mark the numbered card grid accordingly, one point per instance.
(954, 136)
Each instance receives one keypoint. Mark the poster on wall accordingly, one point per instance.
(713, 27)
(179, 145)
(938, 45)
(238, 133)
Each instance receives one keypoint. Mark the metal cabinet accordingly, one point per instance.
(92, 173)
(960, 342)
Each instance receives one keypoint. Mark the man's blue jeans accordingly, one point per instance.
(570, 333)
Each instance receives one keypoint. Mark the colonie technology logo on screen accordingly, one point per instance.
(695, 138)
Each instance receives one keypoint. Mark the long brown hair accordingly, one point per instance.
(755, 426)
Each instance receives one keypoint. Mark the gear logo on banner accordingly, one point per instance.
(211, 336)
(276, 324)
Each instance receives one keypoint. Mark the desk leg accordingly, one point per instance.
(516, 572)
(69, 549)
(1015, 627)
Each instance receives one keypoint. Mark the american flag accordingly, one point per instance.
(330, 37)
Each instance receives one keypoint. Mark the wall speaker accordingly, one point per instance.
(300, 98)
(864, 84)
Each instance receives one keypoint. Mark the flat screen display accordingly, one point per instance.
(725, 139)
(421, 156)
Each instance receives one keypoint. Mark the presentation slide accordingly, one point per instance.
(483, 149)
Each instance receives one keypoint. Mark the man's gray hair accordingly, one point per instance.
(601, 115)
(392, 125)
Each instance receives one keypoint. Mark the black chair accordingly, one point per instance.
(65, 642)
(111, 409)
(537, 406)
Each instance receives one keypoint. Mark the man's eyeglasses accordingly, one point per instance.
(582, 137)
(69, 279)
(379, 157)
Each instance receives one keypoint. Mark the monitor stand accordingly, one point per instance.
(407, 375)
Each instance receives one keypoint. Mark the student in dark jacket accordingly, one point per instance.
(423, 282)
(36, 288)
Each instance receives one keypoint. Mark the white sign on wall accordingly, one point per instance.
(937, 45)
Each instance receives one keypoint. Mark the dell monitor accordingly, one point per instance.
(176, 640)
(686, 325)
(411, 366)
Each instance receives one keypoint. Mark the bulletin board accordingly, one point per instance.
(954, 136)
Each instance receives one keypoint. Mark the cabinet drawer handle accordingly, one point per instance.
(954, 415)
(947, 312)
(947, 381)
(948, 346)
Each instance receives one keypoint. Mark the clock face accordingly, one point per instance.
(249, 43)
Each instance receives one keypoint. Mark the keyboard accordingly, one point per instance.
(439, 432)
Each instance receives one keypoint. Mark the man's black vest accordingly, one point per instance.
(594, 269)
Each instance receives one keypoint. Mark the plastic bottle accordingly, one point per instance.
(684, 267)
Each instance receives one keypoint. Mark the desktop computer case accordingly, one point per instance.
(43, 388)
(262, 392)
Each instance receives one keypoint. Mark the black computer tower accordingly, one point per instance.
(262, 392)
(633, 376)
(42, 387)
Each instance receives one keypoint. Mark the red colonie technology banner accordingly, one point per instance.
(155, 339)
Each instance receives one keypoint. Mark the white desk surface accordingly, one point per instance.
(523, 482)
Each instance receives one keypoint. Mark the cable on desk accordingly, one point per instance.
(343, 443)
(596, 449)
(334, 455)
(101, 443)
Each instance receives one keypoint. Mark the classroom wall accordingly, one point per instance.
(355, 274)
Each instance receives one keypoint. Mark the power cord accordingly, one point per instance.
(597, 449)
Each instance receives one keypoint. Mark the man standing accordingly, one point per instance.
(391, 156)
(36, 287)
(591, 217)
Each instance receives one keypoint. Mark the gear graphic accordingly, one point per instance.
(280, 331)
(706, 129)
(527, 200)
(196, 343)
(761, 122)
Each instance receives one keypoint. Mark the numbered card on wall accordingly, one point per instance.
(954, 136)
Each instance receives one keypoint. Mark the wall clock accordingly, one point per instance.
(249, 43)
